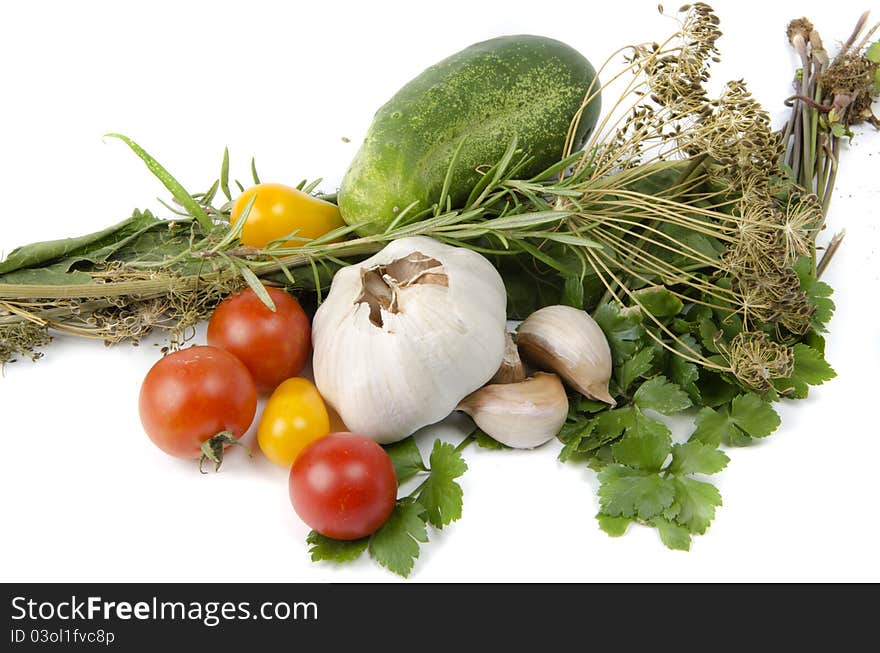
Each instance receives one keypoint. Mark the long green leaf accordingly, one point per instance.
(224, 174)
(447, 181)
(173, 186)
(257, 286)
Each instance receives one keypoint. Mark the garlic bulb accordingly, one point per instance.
(568, 341)
(403, 336)
(523, 415)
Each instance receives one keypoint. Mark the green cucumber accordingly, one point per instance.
(479, 99)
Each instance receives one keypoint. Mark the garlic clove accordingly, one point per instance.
(511, 370)
(522, 415)
(568, 341)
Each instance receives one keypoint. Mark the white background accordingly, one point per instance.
(85, 495)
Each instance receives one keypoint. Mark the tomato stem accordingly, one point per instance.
(212, 449)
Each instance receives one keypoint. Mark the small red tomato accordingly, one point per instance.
(196, 401)
(273, 345)
(343, 485)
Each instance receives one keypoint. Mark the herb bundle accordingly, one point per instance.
(687, 226)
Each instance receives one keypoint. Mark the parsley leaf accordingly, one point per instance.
(395, 546)
(711, 426)
(406, 458)
(695, 457)
(326, 548)
(614, 526)
(710, 334)
(634, 367)
(754, 415)
(818, 294)
(622, 328)
(695, 503)
(626, 492)
(612, 423)
(810, 368)
(715, 389)
(486, 441)
(573, 434)
(661, 395)
(672, 534)
(658, 301)
(645, 446)
(683, 372)
(441, 496)
(748, 417)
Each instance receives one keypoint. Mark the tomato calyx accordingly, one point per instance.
(212, 449)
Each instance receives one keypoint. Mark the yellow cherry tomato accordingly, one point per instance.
(278, 211)
(294, 417)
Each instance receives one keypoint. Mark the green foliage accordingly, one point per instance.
(810, 368)
(661, 395)
(818, 294)
(650, 480)
(645, 477)
(396, 545)
(326, 548)
(407, 459)
(58, 262)
(623, 329)
(658, 301)
(486, 441)
(186, 200)
(441, 496)
(747, 416)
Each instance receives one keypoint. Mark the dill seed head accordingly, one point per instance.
(756, 360)
(22, 339)
(773, 295)
(799, 222)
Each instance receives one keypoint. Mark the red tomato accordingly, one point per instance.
(196, 401)
(343, 485)
(273, 346)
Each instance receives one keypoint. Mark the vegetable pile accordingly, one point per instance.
(662, 255)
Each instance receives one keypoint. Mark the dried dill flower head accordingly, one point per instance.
(756, 360)
(735, 131)
(22, 339)
(798, 223)
(773, 295)
(676, 76)
(769, 239)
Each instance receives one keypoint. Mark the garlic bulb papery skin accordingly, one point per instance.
(523, 415)
(403, 336)
(568, 341)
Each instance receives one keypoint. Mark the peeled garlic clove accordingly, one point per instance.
(511, 370)
(568, 341)
(522, 415)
